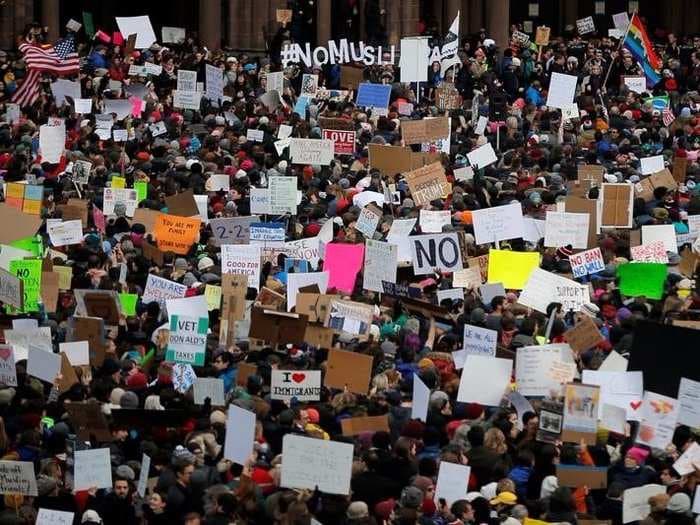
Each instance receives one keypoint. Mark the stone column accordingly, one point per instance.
(498, 21)
(210, 24)
(394, 22)
(49, 17)
(474, 15)
(323, 22)
(410, 14)
(569, 13)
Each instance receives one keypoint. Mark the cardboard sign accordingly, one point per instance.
(425, 130)
(23, 224)
(348, 369)
(439, 251)
(182, 204)
(176, 234)
(277, 327)
(428, 183)
(302, 385)
(581, 406)
(103, 306)
(447, 97)
(680, 166)
(351, 76)
(584, 335)
(542, 35)
(354, 426)
(89, 421)
(590, 175)
(390, 160)
(579, 476)
(645, 188)
(283, 16)
(617, 206)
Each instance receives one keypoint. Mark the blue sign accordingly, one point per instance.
(301, 105)
(373, 95)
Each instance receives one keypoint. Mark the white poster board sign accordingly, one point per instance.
(309, 463)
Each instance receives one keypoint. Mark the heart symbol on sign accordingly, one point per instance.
(298, 378)
(635, 404)
(5, 353)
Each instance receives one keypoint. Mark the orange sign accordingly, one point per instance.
(176, 234)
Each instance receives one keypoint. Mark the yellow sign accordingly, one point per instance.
(512, 268)
(213, 296)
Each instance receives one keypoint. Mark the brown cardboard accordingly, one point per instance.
(91, 329)
(580, 205)
(425, 130)
(277, 327)
(635, 238)
(578, 476)
(689, 263)
(428, 183)
(88, 420)
(245, 370)
(319, 336)
(684, 323)
(101, 305)
(283, 16)
(645, 188)
(146, 217)
(542, 35)
(315, 306)
(447, 97)
(616, 206)
(353, 426)
(68, 375)
(130, 44)
(233, 291)
(49, 290)
(70, 212)
(348, 369)
(680, 165)
(342, 124)
(590, 175)
(423, 158)
(22, 224)
(351, 76)
(153, 253)
(270, 299)
(482, 261)
(389, 160)
(584, 335)
(182, 204)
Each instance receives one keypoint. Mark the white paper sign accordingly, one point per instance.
(562, 89)
(143, 475)
(498, 224)
(651, 165)
(214, 83)
(381, 259)
(311, 151)
(620, 389)
(17, 477)
(304, 385)
(635, 502)
(42, 364)
(435, 251)
(209, 387)
(432, 221)
(92, 469)
(479, 341)
(566, 228)
(54, 517)
(255, 135)
(300, 280)
(78, 352)
(659, 417)
(139, 26)
(414, 59)
(481, 125)
(240, 434)
(453, 482)
(585, 26)
(187, 99)
(464, 174)
(52, 142)
(8, 372)
(482, 156)
(173, 35)
(159, 289)
(543, 288)
(421, 398)
(66, 233)
(283, 192)
(636, 84)
(621, 20)
(686, 463)
(484, 380)
(532, 365)
(308, 463)
(244, 260)
(614, 363)
(660, 232)
(689, 400)
(613, 418)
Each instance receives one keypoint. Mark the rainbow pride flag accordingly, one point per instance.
(637, 42)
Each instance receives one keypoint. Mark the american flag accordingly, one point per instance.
(60, 60)
(668, 116)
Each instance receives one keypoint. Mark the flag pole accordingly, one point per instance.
(619, 46)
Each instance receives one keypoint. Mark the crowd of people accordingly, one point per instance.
(513, 478)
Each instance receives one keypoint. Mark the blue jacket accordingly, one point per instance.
(97, 61)
(229, 376)
(520, 476)
(533, 96)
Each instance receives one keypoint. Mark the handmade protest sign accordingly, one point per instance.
(343, 262)
(17, 477)
(420, 399)
(425, 130)
(588, 262)
(653, 252)
(92, 469)
(368, 221)
(689, 401)
(8, 372)
(532, 368)
(581, 406)
(562, 89)
(427, 183)
(159, 289)
(642, 279)
(373, 95)
(543, 288)
(453, 482)
(659, 415)
(312, 463)
(665, 233)
(635, 502)
(380, 264)
(11, 289)
(484, 380)
(348, 369)
(435, 251)
(232, 230)
(562, 229)
(302, 385)
(511, 269)
(29, 272)
(479, 341)
(482, 156)
(311, 151)
(585, 26)
(584, 335)
(176, 234)
(54, 517)
(498, 224)
(242, 260)
(240, 434)
(187, 340)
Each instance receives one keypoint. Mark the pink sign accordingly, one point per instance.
(343, 262)
(99, 219)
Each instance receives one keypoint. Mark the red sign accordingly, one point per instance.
(344, 141)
